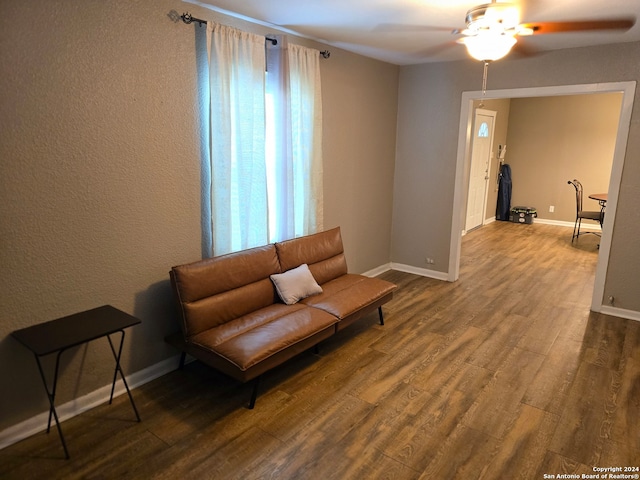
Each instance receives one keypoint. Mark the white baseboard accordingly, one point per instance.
(423, 272)
(620, 312)
(560, 223)
(75, 407)
(487, 221)
(378, 270)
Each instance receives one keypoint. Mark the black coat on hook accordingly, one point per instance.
(503, 209)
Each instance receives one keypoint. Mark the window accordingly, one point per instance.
(483, 131)
(265, 131)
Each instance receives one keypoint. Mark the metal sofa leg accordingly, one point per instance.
(254, 393)
(183, 356)
(381, 316)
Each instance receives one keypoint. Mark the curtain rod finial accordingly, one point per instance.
(188, 18)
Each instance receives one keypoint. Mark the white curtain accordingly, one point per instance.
(265, 140)
(294, 130)
(239, 210)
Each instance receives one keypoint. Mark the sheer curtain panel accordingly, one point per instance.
(294, 140)
(239, 209)
(265, 132)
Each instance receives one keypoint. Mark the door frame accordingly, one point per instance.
(488, 113)
(463, 159)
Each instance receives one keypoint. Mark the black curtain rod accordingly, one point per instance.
(188, 18)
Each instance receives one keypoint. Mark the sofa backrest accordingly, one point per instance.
(323, 252)
(216, 290)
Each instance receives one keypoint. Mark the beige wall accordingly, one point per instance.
(555, 139)
(428, 120)
(100, 175)
(360, 102)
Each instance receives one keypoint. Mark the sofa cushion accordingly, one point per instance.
(240, 346)
(216, 290)
(323, 252)
(351, 294)
(295, 284)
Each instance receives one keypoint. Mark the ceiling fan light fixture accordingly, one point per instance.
(504, 15)
(487, 46)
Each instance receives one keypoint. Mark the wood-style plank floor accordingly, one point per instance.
(503, 374)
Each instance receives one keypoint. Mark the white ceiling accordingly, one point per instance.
(417, 31)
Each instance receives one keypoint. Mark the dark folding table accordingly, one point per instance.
(67, 332)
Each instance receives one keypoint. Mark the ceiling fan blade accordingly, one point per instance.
(405, 28)
(435, 50)
(585, 25)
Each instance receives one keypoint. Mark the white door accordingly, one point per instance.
(480, 166)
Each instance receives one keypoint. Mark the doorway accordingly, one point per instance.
(481, 154)
(464, 158)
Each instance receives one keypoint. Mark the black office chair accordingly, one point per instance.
(582, 214)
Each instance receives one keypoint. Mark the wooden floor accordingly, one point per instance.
(504, 374)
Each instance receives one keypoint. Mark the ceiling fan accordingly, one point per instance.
(492, 29)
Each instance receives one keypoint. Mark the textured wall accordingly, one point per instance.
(99, 181)
(100, 175)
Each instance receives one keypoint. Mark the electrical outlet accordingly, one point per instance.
(552, 209)
(430, 261)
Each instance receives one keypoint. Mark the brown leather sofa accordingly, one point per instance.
(233, 319)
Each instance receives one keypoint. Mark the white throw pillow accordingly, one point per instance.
(295, 284)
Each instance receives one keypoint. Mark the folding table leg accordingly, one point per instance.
(51, 396)
(116, 356)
